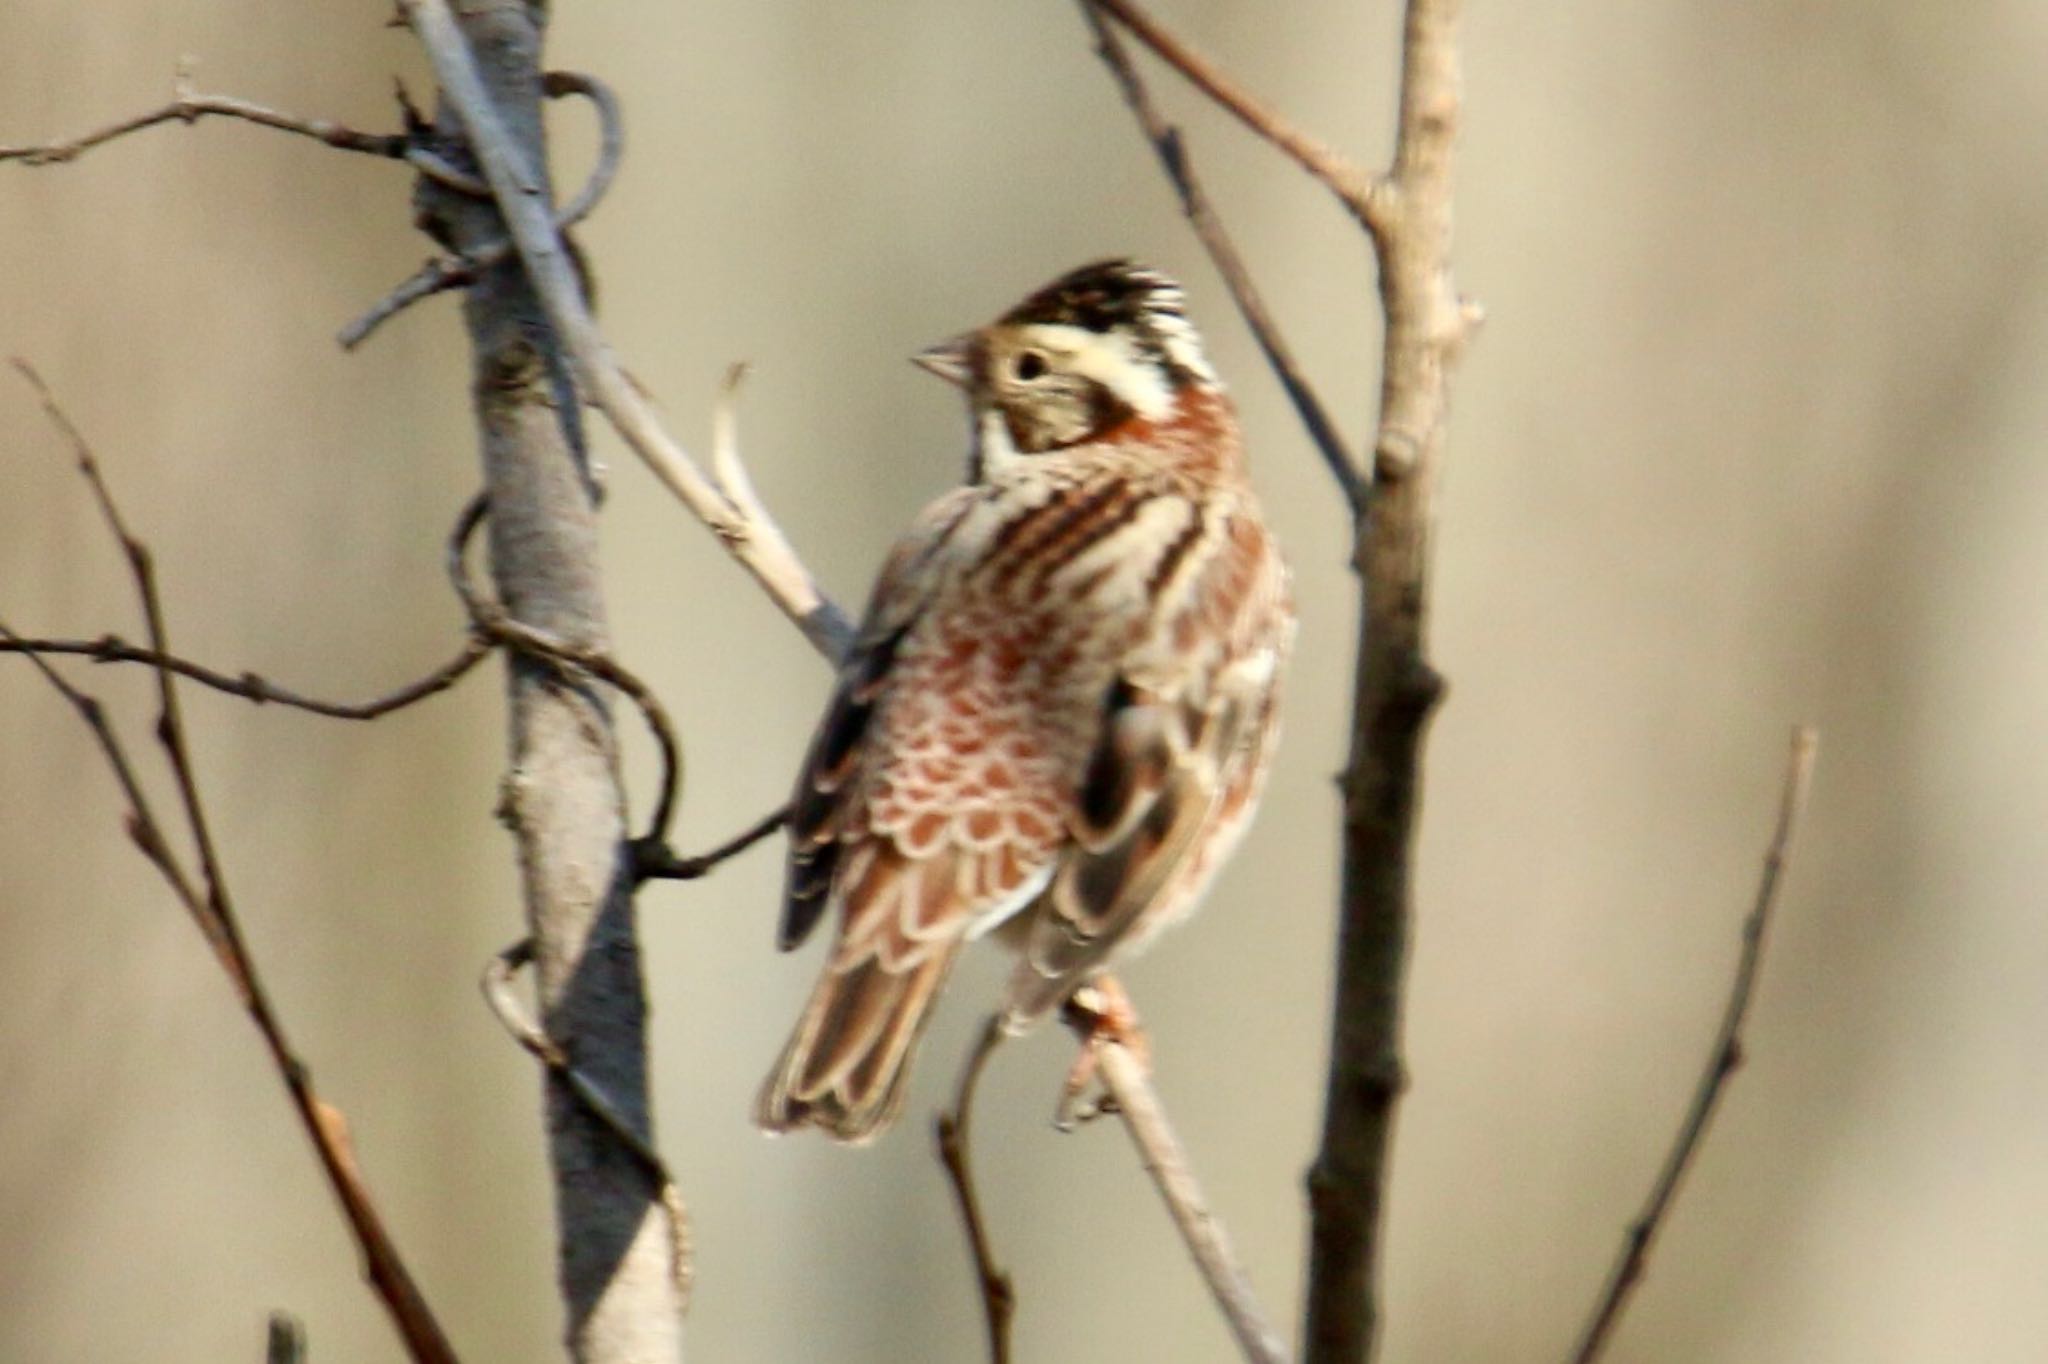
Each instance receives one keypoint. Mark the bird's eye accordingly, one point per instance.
(1029, 365)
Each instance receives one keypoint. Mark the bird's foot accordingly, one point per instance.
(1102, 1014)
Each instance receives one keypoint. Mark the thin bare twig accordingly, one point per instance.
(998, 1292)
(189, 107)
(141, 825)
(251, 687)
(1166, 1160)
(611, 137)
(505, 1006)
(728, 470)
(539, 643)
(1171, 148)
(170, 718)
(1723, 1059)
(758, 543)
(1365, 193)
(1127, 1082)
(655, 862)
(436, 275)
(455, 556)
(450, 272)
(211, 907)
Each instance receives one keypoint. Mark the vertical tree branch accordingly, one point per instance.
(562, 798)
(1407, 215)
(1396, 691)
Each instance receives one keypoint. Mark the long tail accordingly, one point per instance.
(846, 1067)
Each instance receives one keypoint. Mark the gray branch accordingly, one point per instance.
(618, 1263)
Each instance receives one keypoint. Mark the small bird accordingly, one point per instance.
(1060, 707)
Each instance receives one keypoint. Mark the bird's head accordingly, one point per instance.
(1096, 348)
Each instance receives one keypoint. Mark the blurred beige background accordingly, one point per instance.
(1752, 436)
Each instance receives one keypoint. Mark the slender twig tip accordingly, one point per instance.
(1723, 1061)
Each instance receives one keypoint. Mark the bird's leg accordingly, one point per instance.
(1102, 1014)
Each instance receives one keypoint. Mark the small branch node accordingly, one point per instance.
(1384, 1079)
(182, 90)
(653, 860)
(1395, 454)
(1419, 690)
(442, 273)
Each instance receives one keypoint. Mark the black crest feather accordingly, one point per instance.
(1122, 295)
(1103, 296)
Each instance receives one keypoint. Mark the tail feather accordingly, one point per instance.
(846, 1068)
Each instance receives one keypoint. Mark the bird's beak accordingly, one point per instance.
(950, 360)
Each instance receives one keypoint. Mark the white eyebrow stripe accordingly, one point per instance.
(1112, 360)
(1183, 344)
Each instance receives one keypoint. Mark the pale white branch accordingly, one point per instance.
(727, 469)
(758, 544)
(1102, 1016)
(1166, 1160)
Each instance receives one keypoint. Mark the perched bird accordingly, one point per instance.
(1059, 710)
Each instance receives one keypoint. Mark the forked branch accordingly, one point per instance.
(655, 862)
(1406, 213)
(207, 899)
(1171, 148)
(1723, 1059)
(1365, 193)
(452, 272)
(758, 544)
